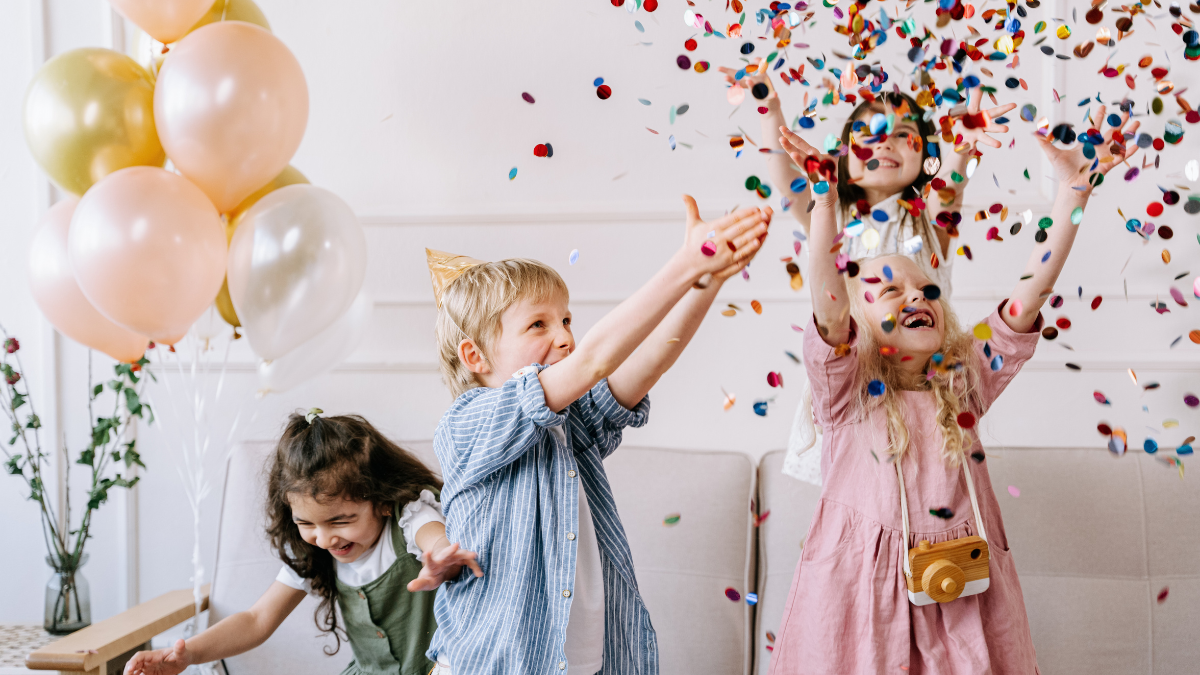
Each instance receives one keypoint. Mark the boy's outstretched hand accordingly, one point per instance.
(978, 134)
(171, 661)
(1073, 169)
(736, 238)
(442, 565)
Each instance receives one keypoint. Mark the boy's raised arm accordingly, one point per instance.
(614, 337)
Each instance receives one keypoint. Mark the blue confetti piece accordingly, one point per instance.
(970, 82)
(1184, 450)
(598, 81)
(760, 408)
(574, 258)
(643, 101)
(1001, 120)
(799, 184)
(1150, 446)
(880, 216)
(807, 123)
(887, 272)
(512, 173)
(671, 141)
(821, 187)
(752, 598)
(876, 388)
(1046, 257)
(997, 363)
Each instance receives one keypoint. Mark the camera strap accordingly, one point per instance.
(904, 507)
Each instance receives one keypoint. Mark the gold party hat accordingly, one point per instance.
(444, 268)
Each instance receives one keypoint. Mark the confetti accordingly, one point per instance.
(1014, 491)
(732, 594)
(574, 257)
(671, 520)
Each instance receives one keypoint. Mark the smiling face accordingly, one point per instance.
(530, 332)
(345, 528)
(918, 326)
(900, 156)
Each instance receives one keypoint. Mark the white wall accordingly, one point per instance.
(416, 119)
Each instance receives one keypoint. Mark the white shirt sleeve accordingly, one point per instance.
(416, 514)
(288, 577)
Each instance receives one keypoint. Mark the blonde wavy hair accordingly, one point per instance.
(956, 388)
(472, 306)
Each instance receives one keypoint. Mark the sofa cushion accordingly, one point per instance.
(684, 569)
(791, 504)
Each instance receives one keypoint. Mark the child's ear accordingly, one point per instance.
(472, 356)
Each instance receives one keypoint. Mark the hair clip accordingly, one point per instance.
(312, 412)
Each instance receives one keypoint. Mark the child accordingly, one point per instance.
(898, 386)
(351, 515)
(909, 164)
(522, 446)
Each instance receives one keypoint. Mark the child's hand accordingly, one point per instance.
(1073, 169)
(759, 76)
(736, 238)
(443, 565)
(979, 134)
(824, 169)
(170, 661)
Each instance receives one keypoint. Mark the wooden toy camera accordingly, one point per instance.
(946, 571)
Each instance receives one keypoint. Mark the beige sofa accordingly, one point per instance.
(1095, 539)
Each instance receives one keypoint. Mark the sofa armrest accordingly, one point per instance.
(90, 650)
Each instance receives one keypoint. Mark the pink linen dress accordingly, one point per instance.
(848, 610)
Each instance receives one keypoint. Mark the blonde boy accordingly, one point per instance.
(522, 445)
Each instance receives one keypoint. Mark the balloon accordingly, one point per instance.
(58, 296)
(164, 20)
(88, 113)
(147, 248)
(231, 105)
(233, 10)
(290, 176)
(149, 54)
(296, 263)
(321, 353)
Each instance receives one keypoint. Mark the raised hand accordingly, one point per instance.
(171, 661)
(977, 127)
(1073, 168)
(442, 565)
(759, 76)
(818, 166)
(736, 238)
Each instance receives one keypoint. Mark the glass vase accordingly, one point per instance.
(68, 600)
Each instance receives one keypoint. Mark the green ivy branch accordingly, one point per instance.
(106, 449)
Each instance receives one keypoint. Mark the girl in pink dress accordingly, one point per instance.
(896, 379)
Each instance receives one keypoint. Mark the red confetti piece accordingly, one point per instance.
(604, 91)
(528, 98)
(690, 45)
(1063, 323)
(732, 594)
(1154, 210)
(708, 248)
(1104, 429)
(966, 419)
(775, 379)
(1162, 595)
(650, 5)
(1096, 301)
(539, 150)
(1100, 397)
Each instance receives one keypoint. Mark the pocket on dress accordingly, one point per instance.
(826, 539)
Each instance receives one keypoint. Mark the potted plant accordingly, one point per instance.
(68, 603)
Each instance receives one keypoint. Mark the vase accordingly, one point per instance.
(68, 600)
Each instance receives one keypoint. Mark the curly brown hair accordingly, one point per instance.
(331, 458)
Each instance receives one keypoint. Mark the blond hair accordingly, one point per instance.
(473, 303)
(955, 385)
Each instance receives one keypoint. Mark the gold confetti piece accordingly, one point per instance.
(1166, 256)
(729, 312)
(730, 399)
(672, 340)
(1170, 424)
(1133, 375)
(756, 306)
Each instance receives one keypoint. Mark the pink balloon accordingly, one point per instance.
(164, 20)
(148, 250)
(58, 296)
(230, 106)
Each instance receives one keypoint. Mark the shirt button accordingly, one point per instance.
(562, 665)
(571, 536)
(379, 633)
(566, 594)
(571, 473)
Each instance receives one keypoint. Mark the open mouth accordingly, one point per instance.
(919, 319)
(343, 551)
(888, 164)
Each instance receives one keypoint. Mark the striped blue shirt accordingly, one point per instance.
(511, 494)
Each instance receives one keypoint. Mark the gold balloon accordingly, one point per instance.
(234, 10)
(88, 113)
(289, 176)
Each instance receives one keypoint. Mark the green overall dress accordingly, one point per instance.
(389, 627)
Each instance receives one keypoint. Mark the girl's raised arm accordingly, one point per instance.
(954, 163)
(1073, 170)
(779, 166)
(831, 305)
